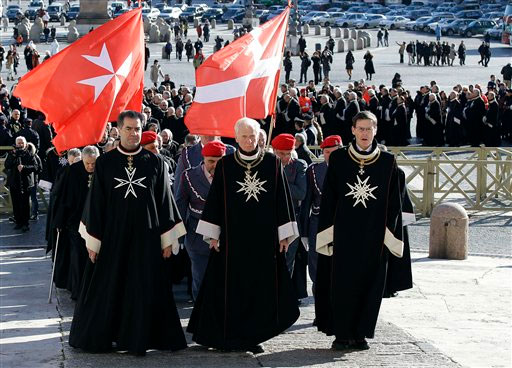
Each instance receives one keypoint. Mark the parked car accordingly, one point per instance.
(120, 11)
(33, 8)
(55, 10)
(72, 14)
(370, 21)
(394, 22)
(212, 13)
(349, 19)
(150, 13)
(495, 32)
(493, 15)
(477, 27)
(192, 12)
(423, 24)
(169, 14)
(235, 14)
(311, 17)
(454, 26)
(328, 19)
(13, 12)
(416, 14)
(473, 14)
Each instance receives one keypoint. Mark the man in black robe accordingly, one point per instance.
(130, 226)
(67, 218)
(360, 219)
(246, 296)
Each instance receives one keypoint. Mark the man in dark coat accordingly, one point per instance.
(131, 226)
(243, 303)
(474, 113)
(434, 131)
(491, 128)
(454, 129)
(360, 228)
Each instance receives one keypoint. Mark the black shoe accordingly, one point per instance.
(25, 228)
(12, 219)
(341, 345)
(257, 349)
(18, 226)
(360, 345)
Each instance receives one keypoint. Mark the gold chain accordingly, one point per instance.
(251, 164)
(363, 162)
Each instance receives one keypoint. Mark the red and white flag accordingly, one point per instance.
(90, 82)
(239, 80)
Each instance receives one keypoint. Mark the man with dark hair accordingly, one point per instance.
(131, 226)
(360, 227)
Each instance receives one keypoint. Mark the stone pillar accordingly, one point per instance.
(353, 34)
(305, 29)
(341, 46)
(327, 31)
(318, 30)
(359, 43)
(93, 13)
(351, 44)
(337, 32)
(449, 232)
(346, 33)
(196, 22)
(213, 23)
(231, 24)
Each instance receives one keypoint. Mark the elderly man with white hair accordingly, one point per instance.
(72, 254)
(246, 296)
(348, 114)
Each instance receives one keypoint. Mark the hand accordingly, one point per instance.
(214, 243)
(283, 246)
(20, 167)
(167, 252)
(92, 255)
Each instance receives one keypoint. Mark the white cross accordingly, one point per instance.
(103, 60)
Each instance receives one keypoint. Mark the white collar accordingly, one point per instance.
(364, 150)
(129, 153)
(248, 158)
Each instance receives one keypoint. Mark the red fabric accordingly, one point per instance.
(148, 137)
(331, 141)
(284, 142)
(366, 96)
(61, 86)
(305, 104)
(214, 149)
(239, 80)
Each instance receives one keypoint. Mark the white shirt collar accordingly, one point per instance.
(369, 149)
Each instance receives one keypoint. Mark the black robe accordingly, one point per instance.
(126, 294)
(399, 274)
(246, 296)
(350, 283)
(67, 217)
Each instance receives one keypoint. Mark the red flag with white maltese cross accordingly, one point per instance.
(239, 80)
(90, 82)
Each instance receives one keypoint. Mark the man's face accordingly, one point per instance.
(16, 115)
(152, 147)
(247, 138)
(206, 139)
(20, 143)
(364, 131)
(131, 133)
(165, 137)
(72, 159)
(261, 140)
(284, 155)
(327, 152)
(163, 105)
(89, 163)
(179, 112)
(210, 163)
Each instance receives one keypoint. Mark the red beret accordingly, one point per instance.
(331, 141)
(302, 90)
(284, 142)
(148, 137)
(214, 149)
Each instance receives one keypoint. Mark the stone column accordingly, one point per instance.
(93, 13)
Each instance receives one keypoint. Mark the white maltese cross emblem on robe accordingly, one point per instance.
(251, 186)
(130, 182)
(361, 191)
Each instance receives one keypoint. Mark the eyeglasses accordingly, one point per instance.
(362, 130)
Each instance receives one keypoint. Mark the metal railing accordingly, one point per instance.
(479, 178)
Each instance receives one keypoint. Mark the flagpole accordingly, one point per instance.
(273, 119)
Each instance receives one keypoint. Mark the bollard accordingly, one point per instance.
(196, 22)
(327, 31)
(359, 44)
(337, 32)
(305, 29)
(353, 34)
(351, 44)
(341, 46)
(164, 54)
(346, 33)
(318, 30)
(231, 24)
(449, 232)
(213, 23)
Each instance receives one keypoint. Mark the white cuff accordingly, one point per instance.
(305, 242)
(323, 239)
(288, 231)
(171, 237)
(90, 241)
(208, 230)
(395, 246)
(408, 218)
(456, 120)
